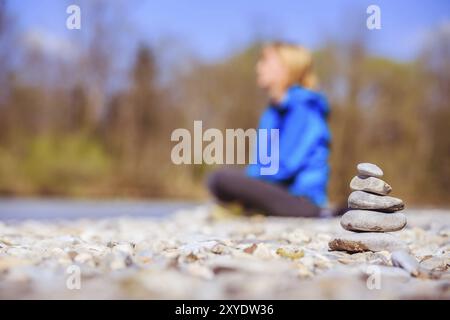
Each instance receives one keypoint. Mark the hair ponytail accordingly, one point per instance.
(299, 62)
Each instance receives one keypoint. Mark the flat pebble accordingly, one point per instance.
(369, 169)
(404, 260)
(372, 221)
(370, 184)
(368, 201)
(369, 241)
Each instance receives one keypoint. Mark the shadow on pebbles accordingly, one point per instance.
(197, 254)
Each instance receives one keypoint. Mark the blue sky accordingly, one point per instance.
(213, 29)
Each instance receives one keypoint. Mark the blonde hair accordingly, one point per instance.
(299, 62)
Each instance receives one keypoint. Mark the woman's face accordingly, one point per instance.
(270, 71)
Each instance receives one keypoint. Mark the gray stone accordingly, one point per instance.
(435, 263)
(369, 169)
(370, 184)
(404, 260)
(391, 274)
(367, 241)
(363, 220)
(368, 201)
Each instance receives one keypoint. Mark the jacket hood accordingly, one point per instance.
(315, 100)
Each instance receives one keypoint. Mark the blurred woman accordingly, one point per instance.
(285, 72)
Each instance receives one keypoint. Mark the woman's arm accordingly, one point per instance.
(303, 131)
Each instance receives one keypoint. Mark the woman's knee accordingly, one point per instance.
(214, 182)
(220, 183)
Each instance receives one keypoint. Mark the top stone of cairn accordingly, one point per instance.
(369, 170)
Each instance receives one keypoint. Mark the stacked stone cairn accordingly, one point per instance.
(372, 214)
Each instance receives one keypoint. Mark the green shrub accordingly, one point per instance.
(60, 164)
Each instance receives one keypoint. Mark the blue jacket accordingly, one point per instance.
(303, 144)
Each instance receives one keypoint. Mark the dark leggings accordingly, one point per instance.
(231, 185)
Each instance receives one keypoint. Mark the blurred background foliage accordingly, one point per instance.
(81, 127)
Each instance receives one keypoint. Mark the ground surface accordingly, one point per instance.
(195, 255)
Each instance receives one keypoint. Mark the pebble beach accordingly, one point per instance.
(195, 254)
